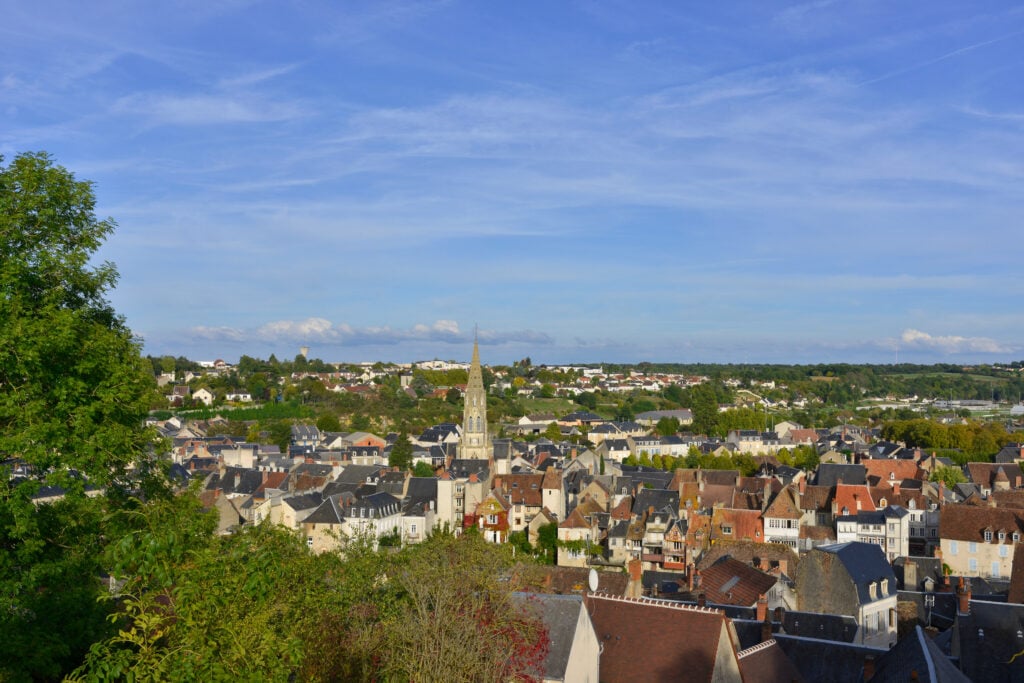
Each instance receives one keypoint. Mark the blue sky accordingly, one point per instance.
(585, 181)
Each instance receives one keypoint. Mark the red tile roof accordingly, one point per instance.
(969, 522)
(523, 489)
(744, 525)
(849, 495)
(888, 471)
(731, 582)
(984, 473)
(785, 505)
(654, 641)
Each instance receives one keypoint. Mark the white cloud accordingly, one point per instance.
(219, 333)
(952, 343)
(323, 331)
(189, 110)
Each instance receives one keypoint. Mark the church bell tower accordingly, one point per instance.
(475, 444)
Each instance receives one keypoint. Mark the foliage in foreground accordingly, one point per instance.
(258, 604)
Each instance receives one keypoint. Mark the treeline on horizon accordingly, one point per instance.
(834, 383)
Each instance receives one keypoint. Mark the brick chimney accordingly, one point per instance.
(635, 589)
(766, 630)
(896, 488)
(690, 572)
(964, 596)
(762, 607)
(803, 485)
(702, 600)
(869, 668)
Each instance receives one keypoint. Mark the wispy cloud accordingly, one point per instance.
(323, 331)
(952, 343)
(916, 66)
(192, 110)
(257, 76)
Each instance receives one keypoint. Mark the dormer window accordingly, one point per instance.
(892, 476)
(1016, 537)
(885, 586)
(988, 536)
(1002, 536)
(873, 590)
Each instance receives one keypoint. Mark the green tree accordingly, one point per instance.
(950, 476)
(401, 453)
(328, 422)
(422, 469)
(167, 364)
(453, 396)
(74, 391)
(704, 405)
(73, 387)
(667, 426)
(547, 541)
(553, 432)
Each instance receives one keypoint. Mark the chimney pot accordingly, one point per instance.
(762, 607)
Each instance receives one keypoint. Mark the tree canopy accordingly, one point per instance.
(74, 391)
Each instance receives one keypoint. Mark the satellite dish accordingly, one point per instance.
(592, 580)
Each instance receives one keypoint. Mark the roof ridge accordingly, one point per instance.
(756, 648)
(657, 602)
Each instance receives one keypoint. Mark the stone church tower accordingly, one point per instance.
(475, 443)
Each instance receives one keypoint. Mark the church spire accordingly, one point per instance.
(475, 443)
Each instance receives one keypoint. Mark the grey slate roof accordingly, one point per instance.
(358, 474)
(823, 660)
(659, 499)
(916, 655)
(865, 563)
(561, 615)
(460, 469)
(987, 640)
(304, 501)
(837, 628)
(328, 512)
(236, 480)
(829, 474)
(657, 478)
